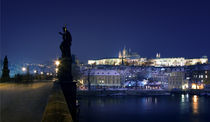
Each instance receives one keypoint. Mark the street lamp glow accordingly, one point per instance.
(57, 62)
(23, 69)
(35, 71)
(56, 70)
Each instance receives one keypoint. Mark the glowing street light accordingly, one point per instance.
(56, 70)
(57, 62)
(23, 69)
(35, 71)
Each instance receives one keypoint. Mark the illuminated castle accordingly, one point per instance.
(126, 57)
(128, 54)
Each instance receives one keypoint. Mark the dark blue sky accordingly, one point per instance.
(29, 28)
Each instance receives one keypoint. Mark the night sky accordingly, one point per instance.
(29, 28)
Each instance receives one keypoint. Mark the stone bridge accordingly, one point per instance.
(36, 102)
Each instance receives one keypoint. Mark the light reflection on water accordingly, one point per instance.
(182, 107)
(195, 106)
(185, 105)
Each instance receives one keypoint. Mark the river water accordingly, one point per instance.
(172, 108)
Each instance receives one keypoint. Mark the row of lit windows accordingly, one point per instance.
(200, 76)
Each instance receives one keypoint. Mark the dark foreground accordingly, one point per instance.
(172, 108)
(23, 103)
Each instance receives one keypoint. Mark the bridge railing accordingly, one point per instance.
(57, 109)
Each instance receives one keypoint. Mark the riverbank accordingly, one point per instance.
(139, 92)
(123, 92)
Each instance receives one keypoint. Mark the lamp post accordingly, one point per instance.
(23, 69)
(57, 63)
(26, 73)
(35, 71)
(89, 85)
(88, 78)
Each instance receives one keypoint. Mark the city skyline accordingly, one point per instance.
(100, 29)
(104, 60)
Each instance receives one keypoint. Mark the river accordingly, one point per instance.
(172, 108)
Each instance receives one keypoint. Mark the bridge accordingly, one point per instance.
(35, 102)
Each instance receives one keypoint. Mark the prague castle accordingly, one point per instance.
(126, 57)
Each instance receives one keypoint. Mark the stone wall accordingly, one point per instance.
(57, 108)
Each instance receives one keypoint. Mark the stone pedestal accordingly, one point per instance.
(5, 75)
(5, 71)
(64, 72)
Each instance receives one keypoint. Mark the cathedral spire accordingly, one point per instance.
(120, 55)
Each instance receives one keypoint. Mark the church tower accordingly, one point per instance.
(158, 55)
(124, 55)
(120, 55)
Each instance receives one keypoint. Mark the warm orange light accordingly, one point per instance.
(193, 86)
(56, 70)
(197, 86)
(200, 86)
(57, 62)
(195, 104)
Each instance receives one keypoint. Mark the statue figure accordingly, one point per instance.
(66, 43)
(5, 71)
(64, 72)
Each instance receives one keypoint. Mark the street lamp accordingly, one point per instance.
(56, 70)
(35, 71)
(23, 69)
(57, 63)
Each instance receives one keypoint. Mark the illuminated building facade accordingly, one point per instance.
(126, 57)
(199, 78)
(177, 80)
(99, 77)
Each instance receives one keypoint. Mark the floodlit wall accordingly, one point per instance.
(158, 62)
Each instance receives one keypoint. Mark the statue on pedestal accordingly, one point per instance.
(64, 72)
(5, 71)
